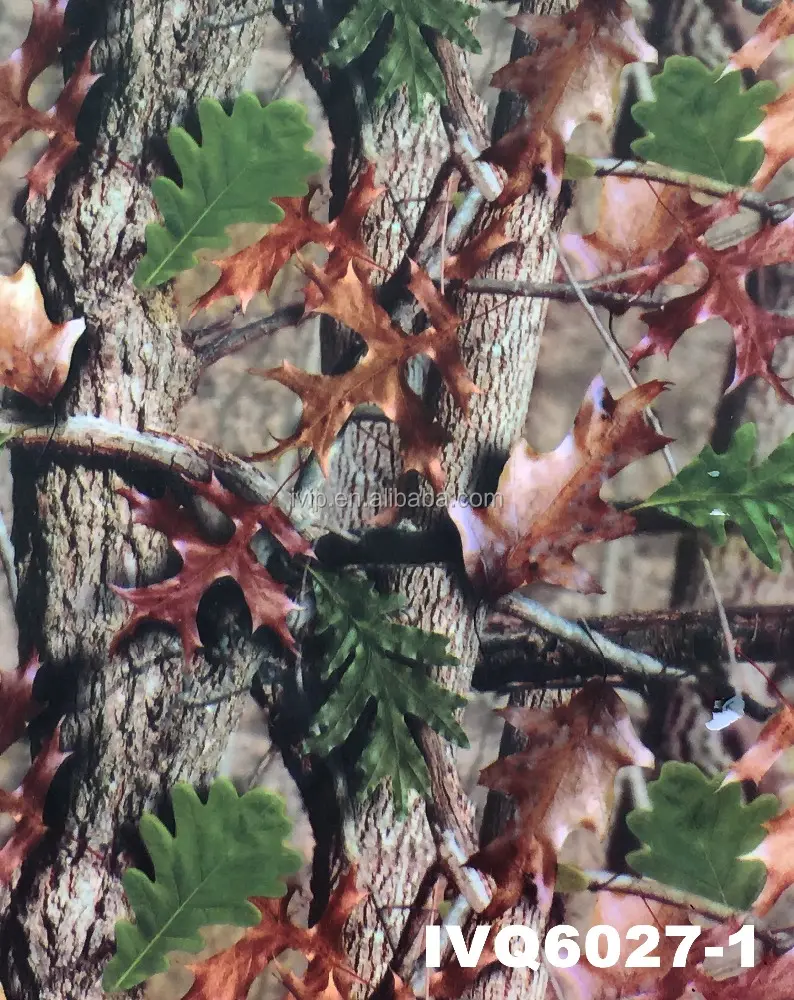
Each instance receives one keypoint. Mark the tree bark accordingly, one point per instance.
(131, 732)
(499, 341)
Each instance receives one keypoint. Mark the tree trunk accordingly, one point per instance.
(130, 730)
(499, 342)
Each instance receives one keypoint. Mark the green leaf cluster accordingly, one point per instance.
(222, 853)
(695, 832)
(376, 658)
(245, 159)
(699, 120)
(408, 60)
(717, 488)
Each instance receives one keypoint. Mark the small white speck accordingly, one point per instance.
(718, 513)
(713, 473)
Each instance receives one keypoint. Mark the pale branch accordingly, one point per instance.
(7, 559)
(95, 436)
(649, 888)
(561, 292)
(627, 660)
(512, 652)
(612, 167)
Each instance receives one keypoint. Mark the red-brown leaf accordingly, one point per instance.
(17, 116)
(572, 75)
(175, 601)
(380, 377)
(26, 806)
(756, 331)
(17, 706)
(253, 269)
(35, 354)
(547, 505)
(229, 974)
(563, 780)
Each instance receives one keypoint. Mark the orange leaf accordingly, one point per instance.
(775, 738)
(777, 24)
(586, 982)
(380, 377)
(564, 779)
(34, 354)
(230, 974)
(637, 220)
(17, 116)
(176, 599)
(547, 505)
(253, 269)
(776, 850)
(770, 979)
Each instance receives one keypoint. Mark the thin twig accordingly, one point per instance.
(611, 167)
(561, 292)
(629, 661)
(620, 359)
(650, 889)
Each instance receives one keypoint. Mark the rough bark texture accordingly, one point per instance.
(499, 342)
(128, 725)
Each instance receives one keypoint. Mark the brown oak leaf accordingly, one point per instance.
(564, 779)
(548, 504)
(769, 979)
(572, 75)
(17, 116)
(230, 974)
(35, 354)
(253, 269)
(380, 376)
(25, 805)
(175, 600)
(723, 294)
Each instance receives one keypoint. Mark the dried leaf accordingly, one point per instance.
(776, 851)
(723, 294)
(380, 377)
(770, 979)
(549, 504)
(176, 600)
(26, 806)
(230, 974)
(563, 780)
(40, 49)
(253, 269)
(637, 221)
(572, 76)
(776, 25)
(35, 354)
(775, 738)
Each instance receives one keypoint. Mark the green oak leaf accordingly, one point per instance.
(695, 832)
(716, 488)
(699, 120)
(245, 160)
(376, 659)
(407, 61)
(222, 853)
